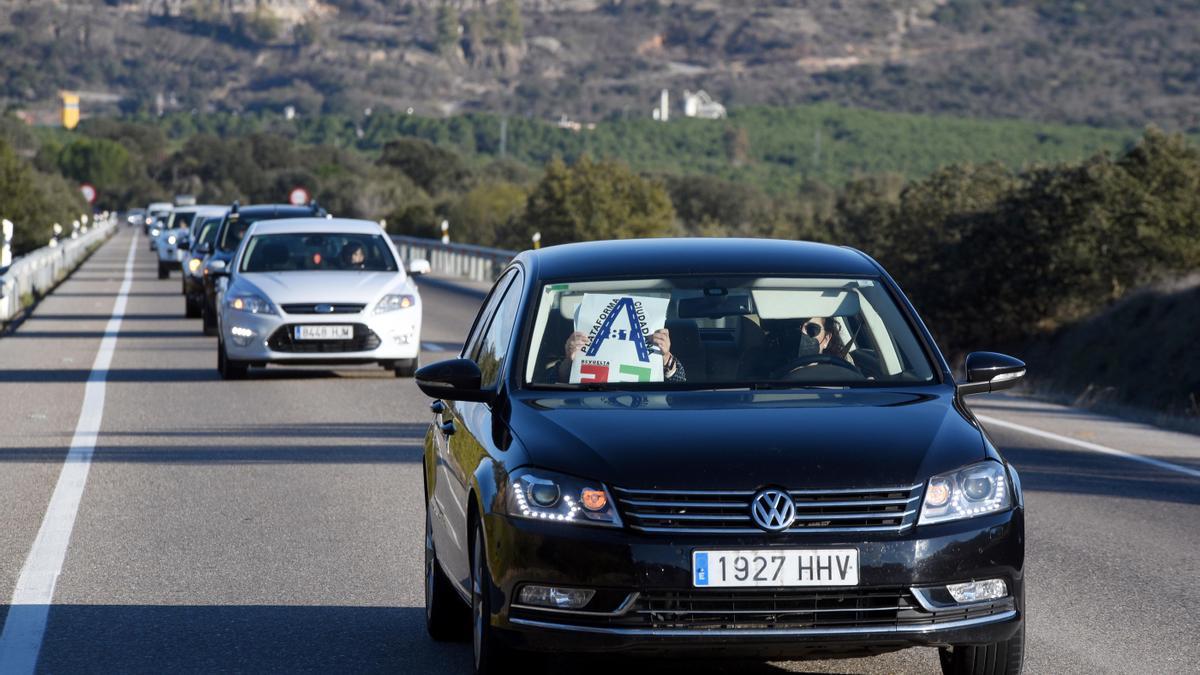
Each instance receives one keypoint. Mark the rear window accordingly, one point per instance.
(336, 252)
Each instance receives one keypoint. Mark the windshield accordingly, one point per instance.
(316, 252)
(181, 219)
(728, 331)
(208, 230)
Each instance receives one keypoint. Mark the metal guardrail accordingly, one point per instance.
(476, 263)
(34, 275)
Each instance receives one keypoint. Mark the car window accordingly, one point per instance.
(723, 331)
(493, 348)
(470, 347)
(317, 251)
(208, 231)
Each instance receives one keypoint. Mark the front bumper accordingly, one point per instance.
(386, 337)
(645, 587)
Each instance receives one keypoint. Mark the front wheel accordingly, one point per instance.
(445, 613)
(208, 318)
(406, 367)
(491, 655)
(998, 658)
(229, 369)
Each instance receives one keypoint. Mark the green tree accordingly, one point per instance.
(597, 200)
(509, 28)
(447, 30)
(432, 168)
(487, 214)
(34, 201)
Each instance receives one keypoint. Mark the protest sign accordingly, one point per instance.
(619, 347)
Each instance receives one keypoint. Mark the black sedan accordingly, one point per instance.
(215, 272)
(727, 447)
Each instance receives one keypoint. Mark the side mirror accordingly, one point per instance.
(418, 267)
(204, 249)
(453, 380)
(217, 268)
(989, 371)
(183, 245)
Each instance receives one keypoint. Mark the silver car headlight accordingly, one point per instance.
(390, 303)
(545, 495)
(250, 302)
(171, 240)
(976, 490)
(154, 231)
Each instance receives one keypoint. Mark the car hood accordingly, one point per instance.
(748, 439)
(330, 287)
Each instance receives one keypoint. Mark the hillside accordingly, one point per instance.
(1136, 356)
(1121, 63)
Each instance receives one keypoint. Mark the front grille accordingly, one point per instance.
(790, 608)
(334, 308)
(728, 511)
(283, 340)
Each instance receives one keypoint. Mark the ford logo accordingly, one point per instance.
(324, 309)
(773, 510)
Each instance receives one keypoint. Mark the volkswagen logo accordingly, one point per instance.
(773, 510)
(324, 309)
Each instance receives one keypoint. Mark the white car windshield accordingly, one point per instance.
(310, 252)
(727, 331)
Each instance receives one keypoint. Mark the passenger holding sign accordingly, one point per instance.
(625, 341)
(672, 367)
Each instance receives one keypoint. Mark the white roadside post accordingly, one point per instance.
(445, 232)
(537, 240)
(75, 229)
(6, 249)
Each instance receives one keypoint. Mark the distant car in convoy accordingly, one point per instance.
(732, 447)
(155, 212)
(136, 217)
(173, 242)
(229, 236)
(203, 235)
(318, 291)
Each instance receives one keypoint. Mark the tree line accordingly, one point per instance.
(991, 254)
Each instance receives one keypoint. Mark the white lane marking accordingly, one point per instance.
(26, 623)
(1095, 447)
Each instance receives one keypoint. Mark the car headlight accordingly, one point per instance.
(171, 240)
(974, 491)
(250, 302)
(390, 303)
(154, 232)
(544, 495)
(194, 265)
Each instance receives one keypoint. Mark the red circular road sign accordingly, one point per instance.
(89, 192)
(298, 196)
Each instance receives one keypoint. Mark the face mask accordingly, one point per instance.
(808, 346)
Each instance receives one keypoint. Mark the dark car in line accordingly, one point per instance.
(200, 246)
(747, 448)
(229, 236)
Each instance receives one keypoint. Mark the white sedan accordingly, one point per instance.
(312, 291)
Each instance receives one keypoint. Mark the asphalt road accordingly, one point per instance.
(275, 524)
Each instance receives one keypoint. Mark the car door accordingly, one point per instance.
(459, 451)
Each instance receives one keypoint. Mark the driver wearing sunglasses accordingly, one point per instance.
(820, 336)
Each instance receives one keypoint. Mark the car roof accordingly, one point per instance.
(683, 256)
(316, 225)
(203, 208)
(260, 210)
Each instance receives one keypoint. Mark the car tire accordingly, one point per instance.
(163, 272)
(492, 657)
(209, 320)
(446, 616)
(407, 367)
(998, 658)
(227, 367)
(191, 308)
